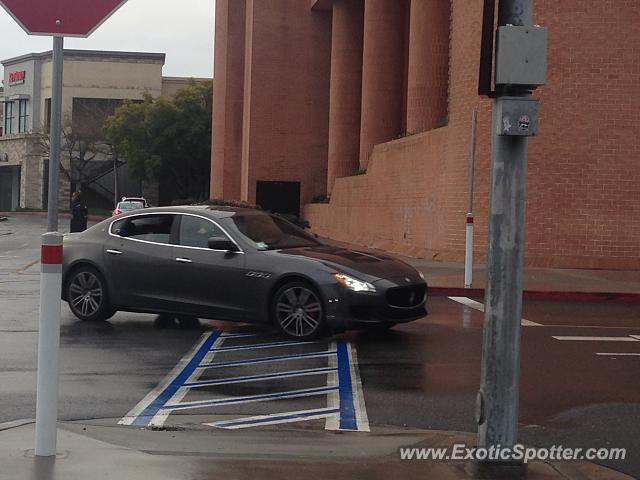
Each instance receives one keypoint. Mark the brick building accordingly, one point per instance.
(370, 101)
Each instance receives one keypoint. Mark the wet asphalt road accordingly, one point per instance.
(422, 375)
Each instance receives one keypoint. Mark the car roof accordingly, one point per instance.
(216, 211)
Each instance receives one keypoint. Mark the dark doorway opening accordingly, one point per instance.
(279, 197)
(9, 188)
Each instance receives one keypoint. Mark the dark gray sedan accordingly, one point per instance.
(234, 264)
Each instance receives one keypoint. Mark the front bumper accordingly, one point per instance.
(392, 303)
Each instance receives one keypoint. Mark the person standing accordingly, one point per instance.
(79, 213)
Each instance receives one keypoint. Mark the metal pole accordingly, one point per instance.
(500, 377)
(50, 283)
(56, 127)
(468, 259)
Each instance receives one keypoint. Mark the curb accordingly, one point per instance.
(598, 297)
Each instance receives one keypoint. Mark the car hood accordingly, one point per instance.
(364, 265)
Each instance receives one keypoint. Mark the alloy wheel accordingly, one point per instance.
(299, 312)
(85, 294)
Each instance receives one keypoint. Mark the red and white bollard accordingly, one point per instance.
(468, 257)
(48, 344)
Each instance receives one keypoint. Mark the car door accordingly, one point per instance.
(139, 262)
(207, 283)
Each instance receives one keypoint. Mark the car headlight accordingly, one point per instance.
(353, 283)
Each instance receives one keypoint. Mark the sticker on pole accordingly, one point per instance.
(65, 18)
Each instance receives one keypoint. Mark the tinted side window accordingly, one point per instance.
(196, 231)
(152, 228)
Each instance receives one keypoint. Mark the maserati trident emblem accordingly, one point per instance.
(412, 298)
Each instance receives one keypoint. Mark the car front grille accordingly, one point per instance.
(406, 297)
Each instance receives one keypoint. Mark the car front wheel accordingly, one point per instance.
(87, 295)
(298, 311)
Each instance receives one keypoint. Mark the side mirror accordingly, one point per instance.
(222, 243)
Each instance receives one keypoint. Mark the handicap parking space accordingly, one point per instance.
(243, 379)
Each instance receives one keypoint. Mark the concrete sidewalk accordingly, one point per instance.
(549, 283)
(447, 279)
(102, 450)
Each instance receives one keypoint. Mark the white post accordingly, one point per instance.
(468, 258)
(48, 344)
(468, 255)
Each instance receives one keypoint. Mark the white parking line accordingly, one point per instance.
(257, 378)
(263, 397)
(276, 418)
(620, 354)
(596, 339)
(288, 343)
(480, 307)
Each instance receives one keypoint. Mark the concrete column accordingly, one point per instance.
(346, 90)
(428, 70)
(383, 73)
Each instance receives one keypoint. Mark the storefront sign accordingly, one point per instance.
(17, 78)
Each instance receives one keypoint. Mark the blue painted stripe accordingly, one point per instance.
(345, 387)
(265, 376)
(276, 358)
(250, 398)
(276, 417)
(163, 397)
(286, 343)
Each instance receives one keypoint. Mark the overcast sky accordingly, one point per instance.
(183, 30)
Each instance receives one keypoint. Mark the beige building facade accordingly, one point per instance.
(94, 84)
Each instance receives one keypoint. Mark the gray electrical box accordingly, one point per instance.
(518, 116)
(521, 56)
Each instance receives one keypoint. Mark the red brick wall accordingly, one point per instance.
(387, 208)
(228, 99)
(287, 67)
(583, 208)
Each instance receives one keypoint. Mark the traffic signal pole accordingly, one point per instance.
(520, 67)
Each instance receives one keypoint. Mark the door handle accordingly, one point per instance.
(183, 260)
(114, 252)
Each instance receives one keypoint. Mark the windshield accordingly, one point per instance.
(270, 232)
(131, 205)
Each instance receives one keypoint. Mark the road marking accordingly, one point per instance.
(480, 307)
(345, 400)
(333, 397)
(256, 378)
(277, 358)
(596, 339)
(288, 343)
(362, 419)
(28, 266)
(237, 335)
(303, 392)
(620, 354)
(276, 418)
(149, 406)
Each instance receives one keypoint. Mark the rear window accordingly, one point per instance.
(151, 228)
(130, 205)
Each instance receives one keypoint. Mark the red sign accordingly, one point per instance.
(16, 78)
(68, 18)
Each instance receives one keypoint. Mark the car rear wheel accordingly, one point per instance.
(298, 311)
(87, 295)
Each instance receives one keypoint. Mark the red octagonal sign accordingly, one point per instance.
(69, 18)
